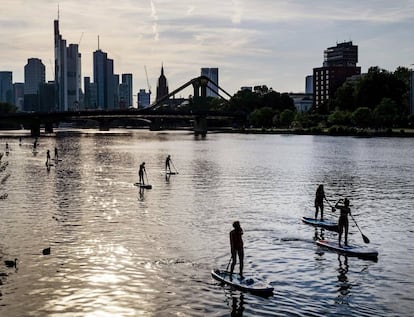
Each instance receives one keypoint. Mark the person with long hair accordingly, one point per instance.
(236, 246)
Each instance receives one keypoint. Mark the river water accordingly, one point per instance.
(118, 252)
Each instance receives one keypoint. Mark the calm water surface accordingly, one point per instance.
(118, 252)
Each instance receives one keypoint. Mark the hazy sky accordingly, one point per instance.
(272, 42)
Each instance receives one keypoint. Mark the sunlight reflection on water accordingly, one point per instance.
(118, 252)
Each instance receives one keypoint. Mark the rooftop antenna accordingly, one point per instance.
(58, 12)
(98, 42)
(80, 39)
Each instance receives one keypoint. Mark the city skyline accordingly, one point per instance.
(252, 43)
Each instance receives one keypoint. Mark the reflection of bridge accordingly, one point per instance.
(153, 115)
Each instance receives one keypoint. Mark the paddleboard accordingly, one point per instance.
(147, 186)
(170, 173)
(248, 283)
(355, 250)
(57, 160)
(326, 224)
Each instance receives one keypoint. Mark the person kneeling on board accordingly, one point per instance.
(343, 223)
(236, 246)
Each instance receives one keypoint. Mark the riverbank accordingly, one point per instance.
(333, 131)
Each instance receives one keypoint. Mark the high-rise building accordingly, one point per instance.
(18, 96)
(162, 87)
(34, 76)
(213, 75)
(127, 90)
(67, 72)
(339, 64)
(73, 76)
(6, 87)
(104, 79)
(309, 84)
(47, 96)
(144, 98)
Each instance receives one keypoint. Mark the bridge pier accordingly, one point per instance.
(49, 127)
(104, 125)
(200, 125)
(35, 129)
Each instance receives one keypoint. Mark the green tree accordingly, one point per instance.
(362, 117)
(7, 108)
(286, 117)
(386, 113)
(262, 117)
(339, 117)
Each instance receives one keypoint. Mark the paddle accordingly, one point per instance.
(174, 166)
(364, 237)
(333, 208)
(146, 177)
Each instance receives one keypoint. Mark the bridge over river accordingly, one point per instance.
(159, 111)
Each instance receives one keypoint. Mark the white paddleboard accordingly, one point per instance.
(248, 283)
(351, 250)
(326, 224)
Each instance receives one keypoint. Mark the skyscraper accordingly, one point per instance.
(73, 75)
(6, 87)
(162, 87)
(143, 98)
(213, 75)
(339, 64)
(67, 72)
(127, 89)
(34, 76)
(103, 76)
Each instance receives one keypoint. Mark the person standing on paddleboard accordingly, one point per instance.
(56, 154)
(320, 196)
(167, 163)
(343, 223)
(47, 157)
(141, 173)
(236, 246)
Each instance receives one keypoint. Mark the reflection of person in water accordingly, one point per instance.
(319, 234)
(344, 287)
(237, 309)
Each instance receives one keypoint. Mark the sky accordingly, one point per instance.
(258, 42)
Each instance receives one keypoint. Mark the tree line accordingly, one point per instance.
(378, 99)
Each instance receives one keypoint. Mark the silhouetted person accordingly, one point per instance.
(56, 154)
(47, 157)
(236, 247)
(319, 197)
(343, 223)
(141, 173)
(167, 163)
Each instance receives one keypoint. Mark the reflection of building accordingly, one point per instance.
(162, 87)
(213, 75)
(34, 76)
(6, 87)
(144, 98)
(339, 64)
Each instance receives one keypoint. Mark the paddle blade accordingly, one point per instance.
(365, 238)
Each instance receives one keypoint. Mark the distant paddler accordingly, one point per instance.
(236, 248)
(141, 173)
(47, 158)
(167, 164)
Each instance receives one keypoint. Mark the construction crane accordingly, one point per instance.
(148, 84)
